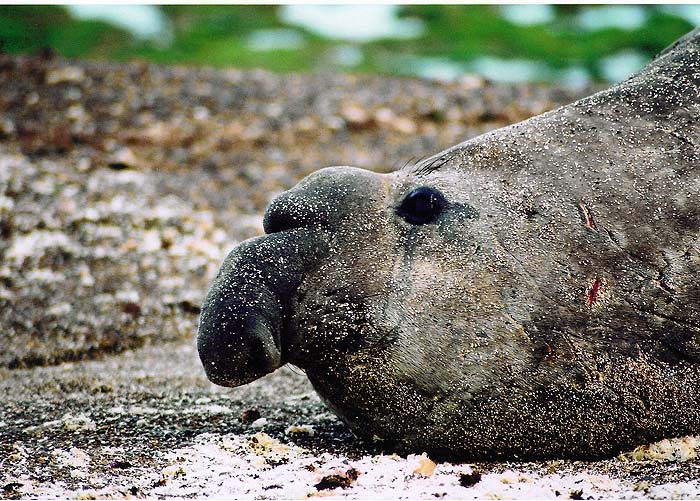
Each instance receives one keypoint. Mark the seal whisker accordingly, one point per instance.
(408, 163)
(429, 167)
(412, 164)
(434, 165)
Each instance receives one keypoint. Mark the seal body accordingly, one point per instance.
(531, 293)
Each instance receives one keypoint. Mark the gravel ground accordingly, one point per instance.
(122, 187)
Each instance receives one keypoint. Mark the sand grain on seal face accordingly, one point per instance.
(529, 293)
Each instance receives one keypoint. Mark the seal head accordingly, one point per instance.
(530, 293)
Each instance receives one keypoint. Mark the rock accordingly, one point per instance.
(124, 158)
(65, 74)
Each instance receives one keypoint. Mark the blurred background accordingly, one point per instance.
(571, 45)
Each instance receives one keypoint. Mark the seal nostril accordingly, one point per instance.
(278, 216)
(290, 210)
(277, 221)
(261, 360)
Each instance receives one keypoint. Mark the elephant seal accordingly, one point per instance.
(531, 293)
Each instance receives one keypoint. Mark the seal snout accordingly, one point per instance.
(239, 337)
(237, 344)
(245, 330)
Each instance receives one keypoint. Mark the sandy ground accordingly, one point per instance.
(122, 187)
(148, 423)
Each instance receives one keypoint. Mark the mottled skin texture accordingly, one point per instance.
(551, 310)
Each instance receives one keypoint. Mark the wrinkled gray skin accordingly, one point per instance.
(551, 310)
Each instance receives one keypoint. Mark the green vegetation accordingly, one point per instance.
(219, 36)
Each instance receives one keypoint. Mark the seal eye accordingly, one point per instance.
(422, 205)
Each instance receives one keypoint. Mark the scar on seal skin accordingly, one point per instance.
(431, 308)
